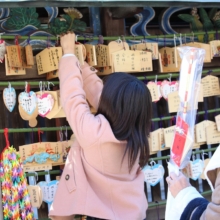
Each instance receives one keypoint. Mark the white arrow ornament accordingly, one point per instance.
(45, 104)
(153, 174)
(9, 97)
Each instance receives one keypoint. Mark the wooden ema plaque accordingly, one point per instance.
(29, 55)
(41, 155)
(14, 56)
(48, 59)
(13, 71)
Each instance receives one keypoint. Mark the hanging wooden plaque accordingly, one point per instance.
(29, 55)
(48, 59)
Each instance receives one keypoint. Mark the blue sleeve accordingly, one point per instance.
(194, 209)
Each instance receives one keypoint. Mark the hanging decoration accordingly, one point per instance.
(45, 101)
(28, 106)
(153, 174)
(49, 189)
(15, 198)
(9, 97)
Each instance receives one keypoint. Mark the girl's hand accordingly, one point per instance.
(67, 42)
(177, 183)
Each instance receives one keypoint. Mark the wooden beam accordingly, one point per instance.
(111, 27)
(107, 3)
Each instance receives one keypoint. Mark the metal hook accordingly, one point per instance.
(48, 85)
(91, 38)
(76, 38)
(193, 155)
(164, 40)
(9, 86)
(174, 40)
(119, 41)
(144, 41)
(203, 153)
(180, 39)
(44, 86)
(123, 41)
(193, 36)
(156, 79)
(100, 41)
(66, 133)
(61, 134)
(152, 162)
(1, 35)
(48, 42)
(40, 86)
(36, 175)
(28, 40)
(170, 77)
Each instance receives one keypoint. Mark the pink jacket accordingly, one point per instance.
(94, 181)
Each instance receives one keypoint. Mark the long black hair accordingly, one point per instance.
(126, 103)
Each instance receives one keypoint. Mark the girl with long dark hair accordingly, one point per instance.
(102, 177)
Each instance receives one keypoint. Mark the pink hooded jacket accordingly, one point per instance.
(95, 181)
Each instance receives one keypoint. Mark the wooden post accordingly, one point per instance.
(111, 27)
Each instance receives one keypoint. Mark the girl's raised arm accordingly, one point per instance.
(86, 127)
(92, 85)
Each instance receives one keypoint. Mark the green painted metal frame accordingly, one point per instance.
(12, 37)
(18, 130)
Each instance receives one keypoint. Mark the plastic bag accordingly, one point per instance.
(189, 83)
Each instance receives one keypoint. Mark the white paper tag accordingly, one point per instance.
(9, 96)
(196, 168)
(153, 174)
(49, 190)
(28, 101)
(167, 87)
(45, 104)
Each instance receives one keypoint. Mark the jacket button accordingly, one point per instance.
(92, 68)
(67, 177)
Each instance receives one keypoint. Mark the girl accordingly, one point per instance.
(102, 176)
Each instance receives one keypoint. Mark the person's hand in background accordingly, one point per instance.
(177, 183)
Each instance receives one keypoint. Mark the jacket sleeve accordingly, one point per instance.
(200, 208)
(183, 198)
(212, 211)
(86, 127)
(92, 85)
(194, 209)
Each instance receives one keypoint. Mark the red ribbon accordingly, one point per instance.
(28, 88)
(6, 137)
(7, 142)
(39, 133)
